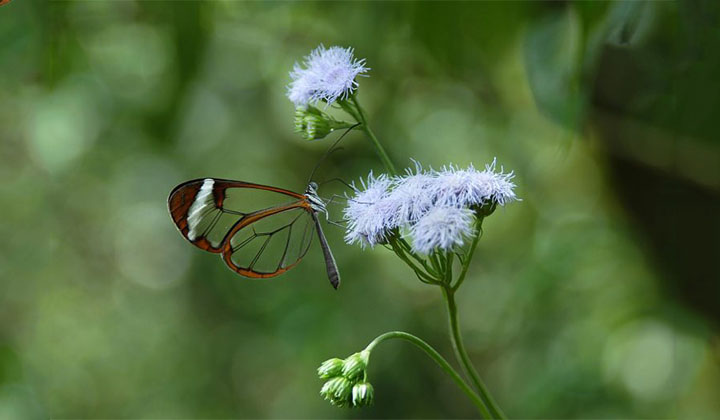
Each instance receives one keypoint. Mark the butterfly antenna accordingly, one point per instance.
(337, 180)
(329, 151)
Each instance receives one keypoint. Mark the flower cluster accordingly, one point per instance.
(346, 385)
(313, 124)
(327, 74)
(436, 208)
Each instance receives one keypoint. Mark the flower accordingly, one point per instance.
(435, 207)
(345, 385)
(338, 391)
(363, 394)
(443, 227)
(355, 365)
(413, 195)
(470, 187)
(330, 368)
(313, 124)
(327, 74)
(368, 214)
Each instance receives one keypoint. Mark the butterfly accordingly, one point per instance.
(260, 231)
(221, 216)
(228, 217)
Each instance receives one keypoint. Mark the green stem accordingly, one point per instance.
(424, 276)
(408, 250)
(471, 252)
(462, 356)
(437, 264)
(444, 365)
(362, 118)
(449, 267)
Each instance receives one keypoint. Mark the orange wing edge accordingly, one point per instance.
(227, 250)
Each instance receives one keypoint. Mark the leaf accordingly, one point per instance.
(553, 60)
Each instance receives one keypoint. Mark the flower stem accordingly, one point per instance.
(423, 276)
(408, 250)
(471, 252)
(449, 267)
(444, 365)
(361, 118)
(462, 356)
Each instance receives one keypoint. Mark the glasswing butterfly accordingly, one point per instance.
(225, 217)
(261, 243)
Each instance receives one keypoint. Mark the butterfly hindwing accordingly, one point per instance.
(268, 243)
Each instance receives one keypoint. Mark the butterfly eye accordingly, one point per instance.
(313, 185)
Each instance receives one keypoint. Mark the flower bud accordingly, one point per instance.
(330, 368)
(313, 124)
(337, 390)
(485, 209)
(355, 365)
(362, 394)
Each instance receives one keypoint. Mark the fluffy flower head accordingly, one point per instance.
(368, 214)
(442, 228)
(436, 208)
(470, 187)
(327, 74)
(413, 195)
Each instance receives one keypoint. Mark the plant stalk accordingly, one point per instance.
(471, 252)
(444, 365)
(362, 119)
(462, 356)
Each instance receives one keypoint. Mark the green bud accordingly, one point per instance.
(330, 368)
(486, 209)
(313, 124)
(362, 394)
(338, 391)
(355, 365)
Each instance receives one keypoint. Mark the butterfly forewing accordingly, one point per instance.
(272, 244)
(250, 200)
(206, 210)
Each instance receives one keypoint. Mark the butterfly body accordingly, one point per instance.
(214, 215)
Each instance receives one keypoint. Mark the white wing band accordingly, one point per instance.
(203, 199)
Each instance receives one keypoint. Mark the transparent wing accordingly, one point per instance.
(271, 242)
(206, 210)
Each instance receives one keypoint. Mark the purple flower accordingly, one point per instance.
(327, 74)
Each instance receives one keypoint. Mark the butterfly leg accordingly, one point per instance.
(336, 223)
(327, 213)
(333, 197)
(333, 222)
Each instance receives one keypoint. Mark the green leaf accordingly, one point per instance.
(553, 60)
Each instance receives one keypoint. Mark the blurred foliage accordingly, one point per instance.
(106, 312)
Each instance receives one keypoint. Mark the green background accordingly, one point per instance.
(593, 297)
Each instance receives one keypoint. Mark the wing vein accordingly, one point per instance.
(257, 257)
(243, 243)
(287, 245)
